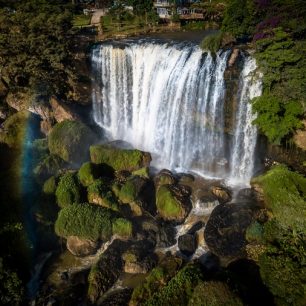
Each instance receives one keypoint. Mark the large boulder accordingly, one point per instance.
(81, 247)
(225, 230)
(70, 140)
(173, 203)
(223, 195)
(61, 111)
(187, 244)
(119, 159)
(164, 177)
(131, 189)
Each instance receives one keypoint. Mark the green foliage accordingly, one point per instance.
(240, 18)
(87, 174)
(276, 119)
(70, 140)
(51, 165)
(11, 288)
(282, 265)
(81, 20)
(85, 221)
(285, 195)
(213, 293)
(34, 45)
(179, 289)
(254, 232)
(68, 190)
(50, 186)
(119, 159)
(122, 228)
(168, 206)
(212, 42)
(100, 193)
(157, 279)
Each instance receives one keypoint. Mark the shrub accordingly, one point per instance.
(212, 42)
(254, 232)
(85, 221)
(87, 174)
(179, 289)
(68, 190)
(70, 140)
(119, 159)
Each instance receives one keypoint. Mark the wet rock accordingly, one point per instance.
(106, 271)
(225, 230)
(186, 179)
(61, 111)
(187, 244)
(46, 126)
(164, 177)
(246, 194)
(81, 247)
(165, 236)
(196, 227)
(222, 194)
(233, 57)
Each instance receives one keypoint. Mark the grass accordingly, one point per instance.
(81, 20)
(212, 42)
(122, 228)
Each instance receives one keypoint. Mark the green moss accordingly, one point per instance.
(14, 128)
(99, 193)
(70, 140)
(88, 174)
(143, 172)
(49, 166)
(119, 159)
(50, 186)
(128, 192)
(213, 293)
(179, 289)
(68, 190)
(168, 206)
(122, 228)
(85, 221)
(285, 195)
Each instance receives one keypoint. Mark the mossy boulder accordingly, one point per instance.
(143, 172)
(164, 177)
(14, 129)
(49, 186)
(88, 173)
(49, 166)
(172, 204)
(131, 189)
(99, 193)
(70, 140)
(119, 159)
(91, 222)
(213, 293)
(68, 190)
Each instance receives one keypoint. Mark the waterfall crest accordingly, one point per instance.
(169, 100)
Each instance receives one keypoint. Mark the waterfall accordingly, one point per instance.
(242, 159)
(168, 99)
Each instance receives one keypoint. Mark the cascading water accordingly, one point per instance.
(168, 99)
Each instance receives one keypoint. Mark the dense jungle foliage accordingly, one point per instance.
(277, 29)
